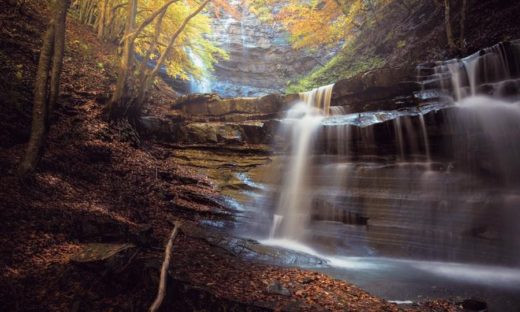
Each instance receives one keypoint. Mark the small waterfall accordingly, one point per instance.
(203, 84)
(277, 219)
(294, 206)
(493, 71)
(399, 137)
(319, 98)
(486, 86)
(426, 141)
(438, 181)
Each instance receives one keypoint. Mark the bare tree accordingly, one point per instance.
(461, 44)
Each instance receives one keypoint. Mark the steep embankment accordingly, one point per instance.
(413, 35)
(86, 234)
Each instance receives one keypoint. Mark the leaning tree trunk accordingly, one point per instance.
(39, 115)
(126, 63)
(59, 50)
(41, 101)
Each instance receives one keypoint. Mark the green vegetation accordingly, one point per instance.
(344, 65)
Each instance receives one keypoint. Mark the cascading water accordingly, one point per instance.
(319, 98)
(203, 84)
(423, 197)
(304, 120)
(437, 184)
(486, 86)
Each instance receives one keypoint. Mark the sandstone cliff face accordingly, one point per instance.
(261, 59)
(409, 182)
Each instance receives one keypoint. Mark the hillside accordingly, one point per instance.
(414, 34)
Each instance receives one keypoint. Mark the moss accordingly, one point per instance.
(344, 65)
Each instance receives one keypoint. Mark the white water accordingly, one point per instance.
(304, 120)
(319, 98)
(203, 84)
(433, 208)
(480, 274)
(295, 199)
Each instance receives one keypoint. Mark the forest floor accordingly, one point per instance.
(103, 183)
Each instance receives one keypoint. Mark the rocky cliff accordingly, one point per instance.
(261, 60)
(410, 182)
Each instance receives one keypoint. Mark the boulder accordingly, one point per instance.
(201, 133)
(380, 89)
(276, 288)
(212, 107)
(104, 257)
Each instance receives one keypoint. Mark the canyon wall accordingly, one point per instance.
(261, 59)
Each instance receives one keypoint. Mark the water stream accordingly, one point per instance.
(432, 191)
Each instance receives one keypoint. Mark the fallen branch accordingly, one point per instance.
(164, 269)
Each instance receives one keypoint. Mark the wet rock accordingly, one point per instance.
(195, 99)
(381, 89)
(104, 257)
(276, 288)
(250, 249)
(212, 107)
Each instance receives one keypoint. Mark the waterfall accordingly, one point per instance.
(304, 121)
(319, 98)
(203, 84)
(492, 71)
(426, 141)
(399, 137)
(438, 181)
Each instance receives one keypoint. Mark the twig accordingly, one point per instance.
(164, 269)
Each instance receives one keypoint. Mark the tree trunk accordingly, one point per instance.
(447, 23)
(462, 39)
(59, 49)
(144, 64)
(40, 101)
(126, 62)
(146, 83)
(102, 19)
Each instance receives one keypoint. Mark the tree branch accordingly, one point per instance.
(164, 269)
(149, 20)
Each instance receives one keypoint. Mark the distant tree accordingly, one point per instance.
(47, 85)
(102, 18)
(317, 23)
(452, 43)
(162, 34)
(107, 16)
